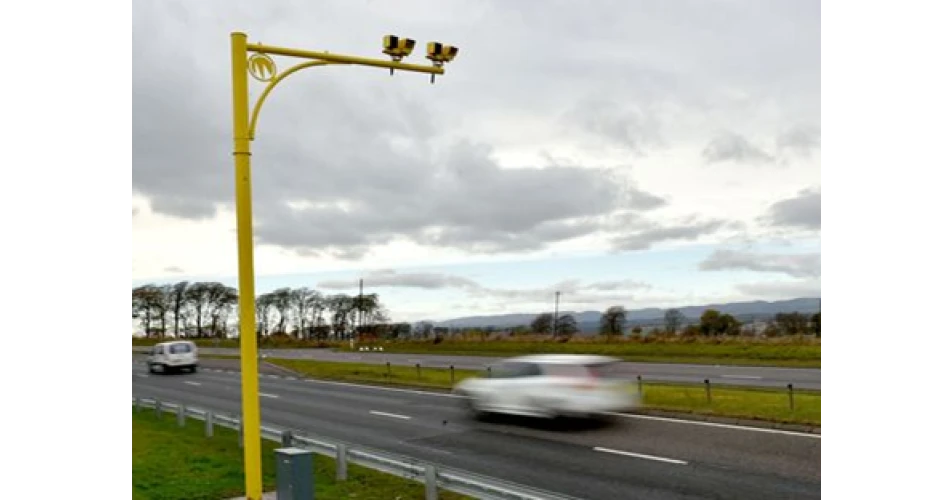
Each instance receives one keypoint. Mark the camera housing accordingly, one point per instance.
(440, 53)
(397, 48)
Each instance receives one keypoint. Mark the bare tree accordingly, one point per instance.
(263, 306)
(613, 321)
(144, 300)
(424, 329)
(282, 304)
(161, 302)
(177, 305)
(364, 308)
(566, 326)
(198, 296)
(792, 323)
(316, 305)
(673, 319)
(301, 303)
(542, 324)
(222, 299)
(339, 306)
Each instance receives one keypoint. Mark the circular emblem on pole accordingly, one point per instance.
(262, 67)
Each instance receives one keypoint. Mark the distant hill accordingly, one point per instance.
(744, 311)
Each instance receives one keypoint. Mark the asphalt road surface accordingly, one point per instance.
(801, 378)
(630, 457)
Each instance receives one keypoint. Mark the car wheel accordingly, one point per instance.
(476, 407)
(151, 368)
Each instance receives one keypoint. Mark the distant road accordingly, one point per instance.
(751, 376)
(636, 457)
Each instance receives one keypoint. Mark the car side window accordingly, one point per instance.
(514, 369)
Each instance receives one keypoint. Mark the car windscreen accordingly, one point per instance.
(180, 349)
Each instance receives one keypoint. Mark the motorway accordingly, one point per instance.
(634, 456)
(750, 376)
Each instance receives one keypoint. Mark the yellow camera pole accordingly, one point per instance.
(263, 68)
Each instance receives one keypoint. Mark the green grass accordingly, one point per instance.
(173, 463)
(733, 352)
(760, 404)
(437, 378)
(785, 352)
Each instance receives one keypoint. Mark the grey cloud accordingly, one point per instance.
(391, 278)
(801, 211)
(652, 233)
(733, 147)
(572, 291)
(780, 290)
(799, 141)
(634, 127)
(618, 285)
(388, 147)
(466, 201)
(795, 265)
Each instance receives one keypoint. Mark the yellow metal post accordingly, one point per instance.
(250, 410)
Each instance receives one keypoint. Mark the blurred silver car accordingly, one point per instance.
(549, 386)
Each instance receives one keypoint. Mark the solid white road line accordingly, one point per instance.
(266, 395)
(189, 382)
(640, 455)
(378, 388)
(392, 415)
(715, 424)
(744, 377)
(142, 375)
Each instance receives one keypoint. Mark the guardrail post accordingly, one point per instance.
(707, 389)
(341, 462)
(181, 415)
(640, 390)
(209, 424)
(432, 493)
(452, 375)
(489, 371)
(790, 393)
(418, 376)
(158, 409)
(287, 439)
(138, 405)
(295, 474)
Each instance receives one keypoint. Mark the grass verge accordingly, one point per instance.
(758, 404)
(173, 463)
(748, 353)
(791, 352)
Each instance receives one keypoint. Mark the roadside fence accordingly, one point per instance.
(433, 476)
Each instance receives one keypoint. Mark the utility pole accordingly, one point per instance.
(555, 319)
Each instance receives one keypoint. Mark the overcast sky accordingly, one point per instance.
(642, 153)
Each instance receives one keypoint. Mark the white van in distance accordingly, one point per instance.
(167, 357)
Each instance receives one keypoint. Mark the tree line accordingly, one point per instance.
(711, 323)
(207, 309)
